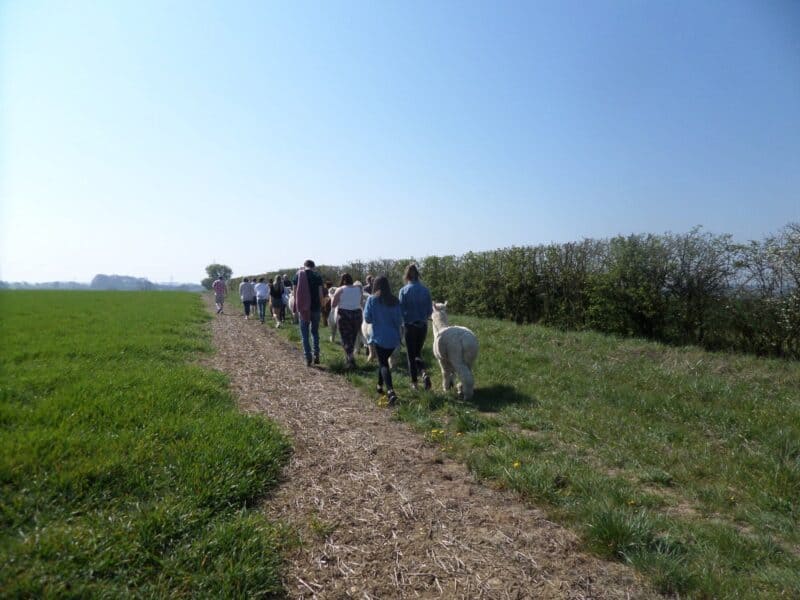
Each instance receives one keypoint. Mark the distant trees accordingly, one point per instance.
(214, 271)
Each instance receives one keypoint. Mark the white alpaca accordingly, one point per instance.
(291, 303)
(456, 349)
(332, 315)
(366, 333)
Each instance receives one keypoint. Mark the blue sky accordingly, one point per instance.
(152, 138)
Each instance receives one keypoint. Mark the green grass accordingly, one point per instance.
(125, 469)
(681, 462)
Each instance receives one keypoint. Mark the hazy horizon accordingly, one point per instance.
(175, 282)
(151, 139)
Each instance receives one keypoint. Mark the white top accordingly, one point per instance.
(246, 291)
(262, 291)
(350, 298)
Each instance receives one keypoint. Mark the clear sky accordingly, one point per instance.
(150, 138)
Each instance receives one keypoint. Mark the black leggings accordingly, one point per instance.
(384, 372)
(415, 339)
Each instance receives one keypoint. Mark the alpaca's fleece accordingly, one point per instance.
(291, 304)
(456, 349)
(332, 315)
(366, 333)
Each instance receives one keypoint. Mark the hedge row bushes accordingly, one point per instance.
(691, 288)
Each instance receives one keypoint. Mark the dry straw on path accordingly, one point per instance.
(382, 514)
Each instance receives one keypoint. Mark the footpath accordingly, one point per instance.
(382, 514)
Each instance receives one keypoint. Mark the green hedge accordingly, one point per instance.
(691, 288)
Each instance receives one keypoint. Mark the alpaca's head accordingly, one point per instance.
(439, 316)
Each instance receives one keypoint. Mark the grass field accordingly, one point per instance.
(125, 468)
(681, 462)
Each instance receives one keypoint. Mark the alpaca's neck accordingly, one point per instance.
(438, 324)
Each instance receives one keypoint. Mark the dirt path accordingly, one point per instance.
(384, 515)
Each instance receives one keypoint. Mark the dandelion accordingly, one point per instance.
(517, 464)
(437, 433)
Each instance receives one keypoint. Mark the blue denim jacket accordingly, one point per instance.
(386, 322)
(415, 301)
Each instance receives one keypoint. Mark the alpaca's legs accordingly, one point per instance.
(393, 359)
(334, 327)
(358, 343)
(467, 385)
(447, 379)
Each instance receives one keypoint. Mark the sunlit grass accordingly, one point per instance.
(124, 468)
(681, 462)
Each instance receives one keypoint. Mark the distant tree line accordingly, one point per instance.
(692, 288)
(100, 282)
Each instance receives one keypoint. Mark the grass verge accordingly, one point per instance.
(124, 468)
(681, 462)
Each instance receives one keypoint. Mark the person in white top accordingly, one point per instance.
(248, 296)
(347, 300)
(262, 295)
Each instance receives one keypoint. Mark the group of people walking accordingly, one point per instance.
(256, 296)
(390, 316)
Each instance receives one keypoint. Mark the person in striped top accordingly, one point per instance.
(220, 290)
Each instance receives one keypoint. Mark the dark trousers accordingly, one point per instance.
(349, 323)
(262, 308)
(384, 372)
(415, 339)
(247, 304)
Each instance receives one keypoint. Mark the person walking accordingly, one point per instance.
(416, 306)
(368, 287)
(346, 302)
(276, 299)
(383, 312)
(248, 295)
(262, 296)
(307, 287)
(220, 291)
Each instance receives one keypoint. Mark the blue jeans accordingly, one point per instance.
(262, 308)
(314, 322)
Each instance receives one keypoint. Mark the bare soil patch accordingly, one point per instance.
(384, 515)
